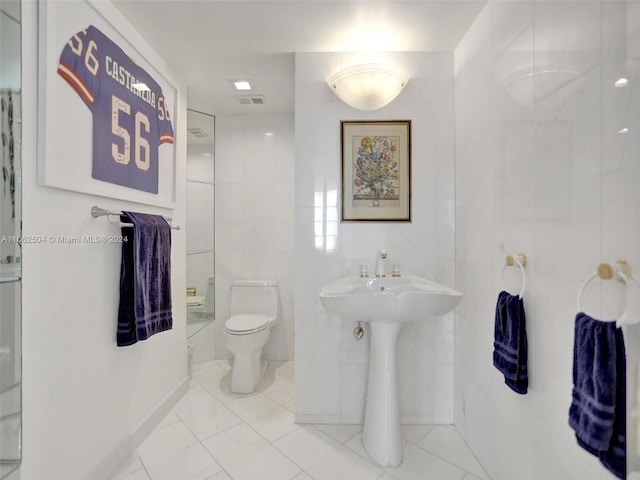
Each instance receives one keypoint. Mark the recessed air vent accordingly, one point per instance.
(197, 132)
(252, 99)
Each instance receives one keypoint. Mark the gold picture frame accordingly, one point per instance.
(376, 170)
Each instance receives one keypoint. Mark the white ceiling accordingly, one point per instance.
(210, 42)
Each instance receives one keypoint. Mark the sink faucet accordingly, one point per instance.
(380, 263)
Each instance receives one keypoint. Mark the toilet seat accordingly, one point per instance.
(246, 324)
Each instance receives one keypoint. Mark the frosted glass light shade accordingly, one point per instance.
(367, 87)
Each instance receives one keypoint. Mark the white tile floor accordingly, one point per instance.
(213, 434)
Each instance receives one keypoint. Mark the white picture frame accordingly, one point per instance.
(65, 146)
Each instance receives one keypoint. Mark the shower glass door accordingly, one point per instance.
(10, 247)
(200, 221)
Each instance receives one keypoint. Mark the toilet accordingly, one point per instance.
(254, 310)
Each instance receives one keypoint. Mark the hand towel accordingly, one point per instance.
(615, 458)
(145, 278)
(598, 410)
(510, 342)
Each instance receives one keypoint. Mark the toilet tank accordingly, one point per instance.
(255, 297)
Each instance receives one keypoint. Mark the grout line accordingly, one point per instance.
(472, 452)
(302, 470)
(331, 439)
(423, 436)
(144, 467)
(465, 471)
(317, 427)
(341, 445)
(459, 467)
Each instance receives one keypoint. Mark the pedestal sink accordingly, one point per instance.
(386, 303)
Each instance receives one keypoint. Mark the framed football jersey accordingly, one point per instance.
(107, 107)
(130, 119)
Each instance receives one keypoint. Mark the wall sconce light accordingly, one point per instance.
(367, 87)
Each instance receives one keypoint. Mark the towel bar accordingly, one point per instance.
(102, 212)
(521, 261)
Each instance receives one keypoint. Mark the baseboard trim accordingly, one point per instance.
(319, 419)
(121, 452)
(337, 420)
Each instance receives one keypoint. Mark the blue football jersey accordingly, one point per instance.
(130, 117)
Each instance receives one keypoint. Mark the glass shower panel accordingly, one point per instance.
(10, 247)
(200, 221)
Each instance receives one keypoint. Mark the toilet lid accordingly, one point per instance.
(243, 324)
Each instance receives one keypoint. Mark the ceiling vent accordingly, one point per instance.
(197, 132)
(252, 99)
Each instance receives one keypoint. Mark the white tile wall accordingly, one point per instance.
(254, 217)
(540, 168)
(331, 366)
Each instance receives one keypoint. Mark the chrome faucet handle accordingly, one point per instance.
(382, 256)
(364, 271)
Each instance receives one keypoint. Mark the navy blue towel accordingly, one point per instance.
(598, 408)
(145, 278)
(510, 342)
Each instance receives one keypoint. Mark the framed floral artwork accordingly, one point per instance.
(376, 170)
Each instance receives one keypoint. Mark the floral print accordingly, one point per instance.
(376, 169)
